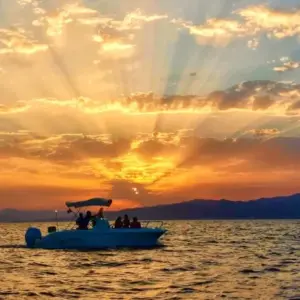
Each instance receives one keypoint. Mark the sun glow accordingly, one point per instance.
(137, 101)
(137, 170)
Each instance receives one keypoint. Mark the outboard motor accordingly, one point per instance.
(32, 234)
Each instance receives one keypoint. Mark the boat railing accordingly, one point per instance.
(154, 221)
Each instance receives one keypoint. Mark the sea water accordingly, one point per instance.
(199, 260)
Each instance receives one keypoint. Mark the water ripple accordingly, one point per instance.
(199, 260)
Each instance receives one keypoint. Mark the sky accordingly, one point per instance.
(148, 102)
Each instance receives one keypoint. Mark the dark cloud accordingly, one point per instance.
(12, 144)
(251, 95)
(8, 150)
(226, 100)
(244, 153)
(122, 189)
(278, 151)
(294, 107)
(262, 102)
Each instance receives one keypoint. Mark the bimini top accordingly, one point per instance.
(90, 202)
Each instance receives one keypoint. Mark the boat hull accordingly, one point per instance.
(93, 239)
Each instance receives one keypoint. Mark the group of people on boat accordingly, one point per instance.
(83, 221)
(125, 223)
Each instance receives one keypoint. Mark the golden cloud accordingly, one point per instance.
(18, 107)
(138, 15)
(215, 31)
(264, 132)
(55, 21)
(27, 2)
(78, 9)
(117, 50)
(256, 20)
(113, 36)
(144, 166)
(16, 41)
(114, 45)
(149, 159)
(288, 65)
(277, 23)
(95, 20)
(98, 156)
(134, 21)
(105, 36)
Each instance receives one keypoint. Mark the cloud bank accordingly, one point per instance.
(268, 97)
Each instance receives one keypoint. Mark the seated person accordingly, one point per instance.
(135, 223)
(118, 223)
(126, 222)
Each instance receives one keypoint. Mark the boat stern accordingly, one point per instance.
(32, 235)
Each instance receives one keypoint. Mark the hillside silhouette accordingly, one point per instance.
(283, 207)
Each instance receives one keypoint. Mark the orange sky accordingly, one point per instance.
(146, 103)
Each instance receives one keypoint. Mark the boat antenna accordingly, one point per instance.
(56, 217)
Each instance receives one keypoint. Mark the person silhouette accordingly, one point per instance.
(126, 222)
(118, 223)
(79, 221)
(135, 223)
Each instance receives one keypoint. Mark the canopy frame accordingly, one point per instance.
(80, 206)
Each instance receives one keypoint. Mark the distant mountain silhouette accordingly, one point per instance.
(285, 207)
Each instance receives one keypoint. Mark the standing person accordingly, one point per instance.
(100, 213)
(86, 220)
(126, 222)
(79, 221)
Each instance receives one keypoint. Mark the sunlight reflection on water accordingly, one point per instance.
(200, 260)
